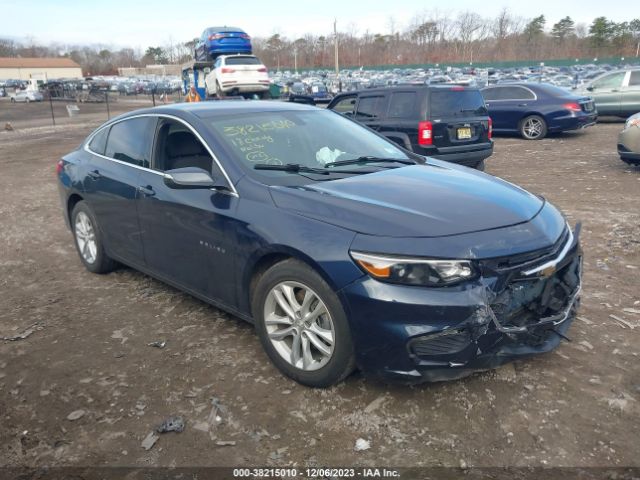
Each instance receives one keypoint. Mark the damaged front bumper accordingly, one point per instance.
(521, 306)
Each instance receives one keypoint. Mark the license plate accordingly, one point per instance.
(464, 133)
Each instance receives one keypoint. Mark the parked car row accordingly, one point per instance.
(615, 92)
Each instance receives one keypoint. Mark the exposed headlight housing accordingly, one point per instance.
(415, 271)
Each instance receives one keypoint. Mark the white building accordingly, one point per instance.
(38, 68)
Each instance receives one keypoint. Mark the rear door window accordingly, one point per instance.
(99, 141)
(369, 108)
(346, 106)
(508, 93)
(517, 93)
(402, 105)
(609, 81)
(130, 141)
(491, 93)
(456, 103)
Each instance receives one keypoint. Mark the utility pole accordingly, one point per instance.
(335, 34)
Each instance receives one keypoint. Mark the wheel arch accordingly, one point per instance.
(263, 260)
(531, 113)
(72, 201)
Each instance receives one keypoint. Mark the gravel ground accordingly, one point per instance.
(85, 388)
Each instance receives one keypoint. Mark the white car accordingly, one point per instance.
(26, 96)
(237, 74)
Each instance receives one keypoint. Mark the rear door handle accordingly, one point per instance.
(94, 174)
(522, 104)
(148, 191)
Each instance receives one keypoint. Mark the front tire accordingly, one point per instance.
(302, 325)
(533, 127)
(88, 240)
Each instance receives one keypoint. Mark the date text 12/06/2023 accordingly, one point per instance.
(316, 472)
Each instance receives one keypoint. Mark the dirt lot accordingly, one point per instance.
(88, 348)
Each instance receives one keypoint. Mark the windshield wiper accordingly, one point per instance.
(369, 159)
(297, 168)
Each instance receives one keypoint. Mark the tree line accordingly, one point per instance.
(433, 37)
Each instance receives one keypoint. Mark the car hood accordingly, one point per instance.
(415, 201)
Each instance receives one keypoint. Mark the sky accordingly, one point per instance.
(140, 23)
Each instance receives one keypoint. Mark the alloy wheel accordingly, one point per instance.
(86, 237)
(532, 128)
(299, 325)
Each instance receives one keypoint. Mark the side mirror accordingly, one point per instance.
(590, 88)
(189, 178)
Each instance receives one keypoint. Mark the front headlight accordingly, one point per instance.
(632, 122)
(415, 271)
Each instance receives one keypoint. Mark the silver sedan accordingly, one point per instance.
(26, 96)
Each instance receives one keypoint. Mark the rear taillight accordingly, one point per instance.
(216, 36)
(227, 70)
(457, 89)
(490, 132)
(425, 133)
(59, 166)
(263, 69)
(572, 106)
(245, 36)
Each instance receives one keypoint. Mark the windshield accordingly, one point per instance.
(241, 61)
(310, 138)
(456, 102)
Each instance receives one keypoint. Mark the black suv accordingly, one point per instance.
(446, 122)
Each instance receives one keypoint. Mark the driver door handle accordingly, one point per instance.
(522, 104)
(148, 191)
(94, 174)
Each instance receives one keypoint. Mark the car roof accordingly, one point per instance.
(407, 87)
(221, 107)
(225, 29)
(512, 84)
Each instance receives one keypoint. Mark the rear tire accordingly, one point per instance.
(533, 127)
(480, 166)
(88, 240)
(308, 339)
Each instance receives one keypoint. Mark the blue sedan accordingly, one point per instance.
(216, 41)
(535, 109)
(344, 250)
